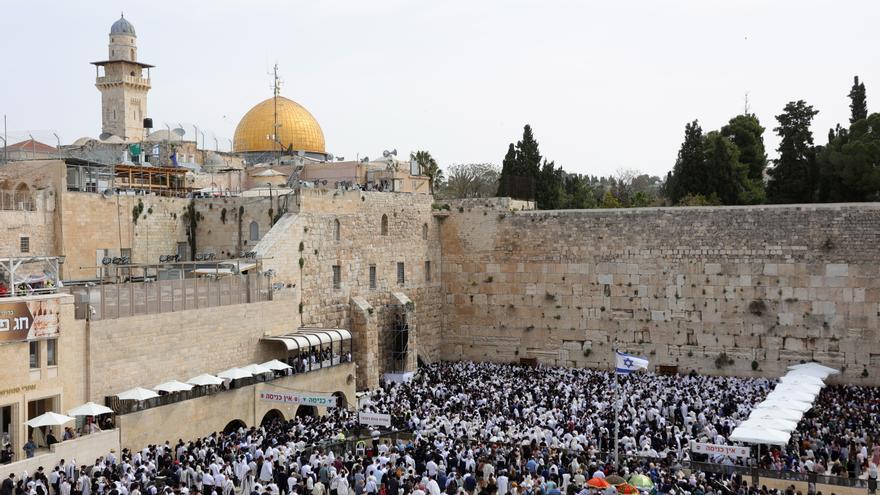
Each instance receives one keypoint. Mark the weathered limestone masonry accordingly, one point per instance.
(229, 226)
(723, 290)
(411, 237)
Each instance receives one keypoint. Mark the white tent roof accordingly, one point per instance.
(815, 380)
(785, 404)
(49, 419)
(276, 365)
(770, 423)
(760, 436)
(137, 393)
(234, 373)
(777, 413)
(173, 386)
(810, 371)
(787, 394)
(807, 387)
(815, 366)
(205, 379)
(256, 369)
(90, 409)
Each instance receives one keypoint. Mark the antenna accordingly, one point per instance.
(276, 91)
(746, 108)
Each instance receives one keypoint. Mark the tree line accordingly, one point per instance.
(727, 166)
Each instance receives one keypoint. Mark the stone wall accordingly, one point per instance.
(224, 226)
(722, 290)
(412, 238)
(143, 351)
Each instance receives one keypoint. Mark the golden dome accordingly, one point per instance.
(297, 128)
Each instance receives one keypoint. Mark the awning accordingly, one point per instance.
(306, 338)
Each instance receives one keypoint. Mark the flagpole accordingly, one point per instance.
(616, 412)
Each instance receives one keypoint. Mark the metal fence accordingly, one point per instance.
(120, 300)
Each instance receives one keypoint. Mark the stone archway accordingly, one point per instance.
(272, 415)
(234, 425)
(341, 400)
(306, 412)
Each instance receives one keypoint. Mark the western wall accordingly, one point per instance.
(719, 290)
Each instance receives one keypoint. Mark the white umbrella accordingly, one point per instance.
(173, 386)
(90, 409)
(276, 365)
(204, 379)
(257, 369)
(49, 419)
(785, 404)
(815, 366)
(234, 373)
(760, 435)
(137, 393)
(777, 413)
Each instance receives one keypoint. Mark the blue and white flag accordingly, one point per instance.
(626, 364)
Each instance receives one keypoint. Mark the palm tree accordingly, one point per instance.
(428, 167)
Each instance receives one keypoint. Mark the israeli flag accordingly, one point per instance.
(626, 364)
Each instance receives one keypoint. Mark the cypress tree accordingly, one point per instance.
(689, 173)
(858, 106)
(793, 176)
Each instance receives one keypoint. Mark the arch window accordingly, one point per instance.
(336, 230)
(425, 232)
(254, 231)
(384, 224)
(22, 200)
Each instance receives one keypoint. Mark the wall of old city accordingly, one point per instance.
(228, 226)
(412, 238)
(721, 290)
(143, 351)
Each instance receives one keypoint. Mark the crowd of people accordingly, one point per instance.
(488, 429)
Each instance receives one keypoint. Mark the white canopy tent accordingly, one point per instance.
(760, 435)
(777, 413)
(173, 386)
(256, 369)
(234, 374)
(810, 371)
(204, 379)
(787, 394)
(810, 388)
(276, 365)
(770, 423)
(815, 367)
(90, 409)
(785, 404)
(804, 379)
(137, 393)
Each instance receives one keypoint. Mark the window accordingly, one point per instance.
(384, 224)
(425, 232)
(372, 276)
(427, 271)
(337, 276)
(25, 244)
(52, 352)
(255, 231)
(401, 277)
(34, 354)
(336, 233)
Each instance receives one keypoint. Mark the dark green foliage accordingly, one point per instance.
(858, 106)
(793, 176)
(689, 175)
(746, 132)
(849, 166)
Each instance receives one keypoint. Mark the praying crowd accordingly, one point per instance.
(493, 429)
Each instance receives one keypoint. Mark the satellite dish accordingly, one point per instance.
(105, 136)
(179, 131)
(394, 152)
(107, 193)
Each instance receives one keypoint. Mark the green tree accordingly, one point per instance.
(793, 176)
(689, 175)
(508, 170)
(610, 201)
(521, 167)
(858, 106)
(746, 132)
(428, 167)
(549, 192)
(850, 164)
(726, 175)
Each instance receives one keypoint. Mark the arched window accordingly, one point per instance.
(425, 232)
(336, 232)
(255, 231)
(132, 54)
(23, 199)
(384, 224)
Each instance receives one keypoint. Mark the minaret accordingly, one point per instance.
(123, 85)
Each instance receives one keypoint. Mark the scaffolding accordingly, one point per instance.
(399, 339)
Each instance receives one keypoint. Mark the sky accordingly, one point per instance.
(604, 85)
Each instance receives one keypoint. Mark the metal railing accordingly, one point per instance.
(124, 299)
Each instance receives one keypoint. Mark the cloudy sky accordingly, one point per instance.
(605, 85)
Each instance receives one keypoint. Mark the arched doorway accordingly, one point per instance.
(272, 416)
(306, 412)
(234, 425)
(341, 401)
